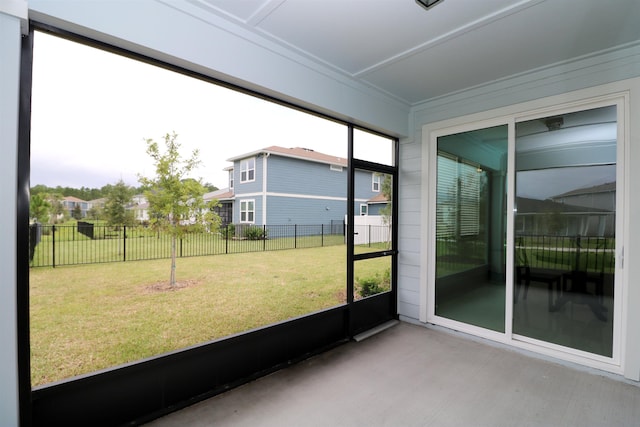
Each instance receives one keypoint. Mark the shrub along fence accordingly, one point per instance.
(86, 243)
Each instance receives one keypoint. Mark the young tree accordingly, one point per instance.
(39, 208)
(115, 207)
(57, 208)
(387, 210)
(175, 201)
(77, 212)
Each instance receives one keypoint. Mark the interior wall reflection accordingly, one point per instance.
(565, 229)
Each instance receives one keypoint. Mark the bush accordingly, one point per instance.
(374, 285)
(230, 231)
(369, 286)
(255, 233)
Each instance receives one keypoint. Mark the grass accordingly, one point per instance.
(87, 318)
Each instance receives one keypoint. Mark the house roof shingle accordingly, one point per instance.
(296, 153)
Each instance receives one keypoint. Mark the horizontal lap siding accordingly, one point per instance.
(409, 257)
(289, 210)
(363, 184)
(293, 176)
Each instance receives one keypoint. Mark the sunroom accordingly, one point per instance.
(509, 135)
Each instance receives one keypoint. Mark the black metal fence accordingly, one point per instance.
(547, 252)
(87, 243)
(579, 253)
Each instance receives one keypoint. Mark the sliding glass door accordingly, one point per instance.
(565, 229)
(471, 227)
(524, 218)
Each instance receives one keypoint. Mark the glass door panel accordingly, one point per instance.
(471, 227)
(564, 258)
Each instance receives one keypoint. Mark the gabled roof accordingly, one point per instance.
(295, 153)
(608, 187)
(526, 205)
(222, 194)
(380, 198)
(73, 199)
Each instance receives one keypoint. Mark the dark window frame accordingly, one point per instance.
(131, 393)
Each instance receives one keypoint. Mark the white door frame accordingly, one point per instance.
(576, 101)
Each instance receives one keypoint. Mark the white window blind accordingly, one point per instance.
(458, 198)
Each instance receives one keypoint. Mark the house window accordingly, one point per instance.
(336, 168)
(248, 170)
(364, 209)
(231, 179)
(375, 182)
(247, 211)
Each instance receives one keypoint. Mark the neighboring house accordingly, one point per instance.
(140, 207)
(601, 197)
(537, 217)
(280, 186)
(97, 203)
(71, 203)
(225, 206)
(375, 204)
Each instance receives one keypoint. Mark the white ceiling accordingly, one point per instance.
(415, 55)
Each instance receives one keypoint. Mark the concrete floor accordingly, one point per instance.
(409, 375)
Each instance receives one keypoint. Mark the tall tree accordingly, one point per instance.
(39, 208)
(175, 201)
(115, 207)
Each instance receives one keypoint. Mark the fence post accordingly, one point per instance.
(295, 236)
(226, 243)
(124, 243)
(264, 237)
(53, 245)
(321, 235)
(180, 247)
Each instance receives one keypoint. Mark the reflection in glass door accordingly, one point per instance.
(471, 227)
(564, 258)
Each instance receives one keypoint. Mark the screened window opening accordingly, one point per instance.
(254, 255)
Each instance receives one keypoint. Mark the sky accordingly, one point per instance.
(92, 112)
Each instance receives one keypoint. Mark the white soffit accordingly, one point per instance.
(415, 55)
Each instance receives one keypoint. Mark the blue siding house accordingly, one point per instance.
(286, 186)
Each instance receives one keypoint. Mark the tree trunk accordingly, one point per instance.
(172, 280)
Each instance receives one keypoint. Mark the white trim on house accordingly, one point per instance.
(264, 187)
(375, 183)
(248, 170)
(247, 211)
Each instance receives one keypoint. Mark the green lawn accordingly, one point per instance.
(86, 318)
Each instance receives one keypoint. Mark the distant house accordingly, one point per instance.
(71, 203)
(225, 205)
(140, 207)
(97, 203)
(601, 197)
(586, 211)
(280, 186)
